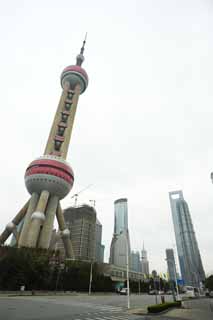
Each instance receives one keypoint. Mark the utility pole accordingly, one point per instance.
(139, 287)
(90, 278)
(127, 271)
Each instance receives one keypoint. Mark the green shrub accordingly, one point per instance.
(161, 307)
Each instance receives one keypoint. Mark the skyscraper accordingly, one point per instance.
(170, 258)
(135, 261)
(120, 216)
(49, 178)
(120, 241)
(81, 222)
(188, 253)
(144, 262)
(99, 247)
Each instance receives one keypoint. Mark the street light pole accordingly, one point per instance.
(90, 279)
(127, 271)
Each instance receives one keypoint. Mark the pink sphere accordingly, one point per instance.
(49, 173)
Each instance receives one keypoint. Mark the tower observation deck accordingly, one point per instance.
(50, 178)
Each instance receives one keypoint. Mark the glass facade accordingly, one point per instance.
(170, 258)
(121, 216)
(188, 252)
(120, 241)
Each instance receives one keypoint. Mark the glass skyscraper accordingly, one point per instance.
(121, 216)
(144, 262)
(120, 240)
(188, 253)
(170, 258)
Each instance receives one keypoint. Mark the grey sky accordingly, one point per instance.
(144, 125)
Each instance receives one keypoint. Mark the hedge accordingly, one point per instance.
(163, 306)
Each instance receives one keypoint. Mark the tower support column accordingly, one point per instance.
(37, 219)
(25, 229)
(46, 232)
(65, 234)
(11, 226)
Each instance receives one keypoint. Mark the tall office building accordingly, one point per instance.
(81, 222)
(135, 261)
(170, 258)
(120, 241)
(99, 247)
(188, 253)
(144, 262)
(120, 216)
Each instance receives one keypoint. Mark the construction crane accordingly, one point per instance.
(76, 194)
(93, 202)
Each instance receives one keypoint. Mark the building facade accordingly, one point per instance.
(144, 262)
(120, 244)
(170, 258)
(99, 247)
(191, 266)
(120, 216)
(81, 222)
(135, 261)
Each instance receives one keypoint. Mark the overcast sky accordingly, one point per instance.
(144, 126)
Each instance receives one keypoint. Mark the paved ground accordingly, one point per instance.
(81, 307)
(101, 307)
(199, 309)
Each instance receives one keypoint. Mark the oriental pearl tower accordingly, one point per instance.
(50, 178)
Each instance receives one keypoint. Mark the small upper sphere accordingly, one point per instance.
(49, 173)
(74, 75)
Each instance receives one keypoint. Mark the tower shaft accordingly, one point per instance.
(60, 133)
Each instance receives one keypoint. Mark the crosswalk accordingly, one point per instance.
(101, 307)
(99, 316)
(103, 312)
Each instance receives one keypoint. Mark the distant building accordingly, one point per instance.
(120, 241)
(99, 247)
(144, 262)
(81, 221)
(188, 252)
(135, 261)
(118, 250)
(170, 258)
(120, 216)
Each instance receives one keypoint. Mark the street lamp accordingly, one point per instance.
(175, 275)
(90, 279)
(127, 271)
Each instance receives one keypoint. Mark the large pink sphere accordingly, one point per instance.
(49, 173)
(74, 75)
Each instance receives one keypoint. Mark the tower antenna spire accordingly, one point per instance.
(80, 57)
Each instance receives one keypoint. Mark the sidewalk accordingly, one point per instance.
(194, 310)
(201, 309)
(190, 314)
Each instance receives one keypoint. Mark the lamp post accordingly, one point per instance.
(127, 271)
(90, 278)
(175, 275)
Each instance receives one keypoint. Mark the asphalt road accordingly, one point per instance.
(96, 307)
(81, 307)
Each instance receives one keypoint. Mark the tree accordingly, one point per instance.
(209, 282)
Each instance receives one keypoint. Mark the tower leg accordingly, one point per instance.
(46, 232)
(11, 226)
(65, 234)
(37, 219)
(31, 208)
